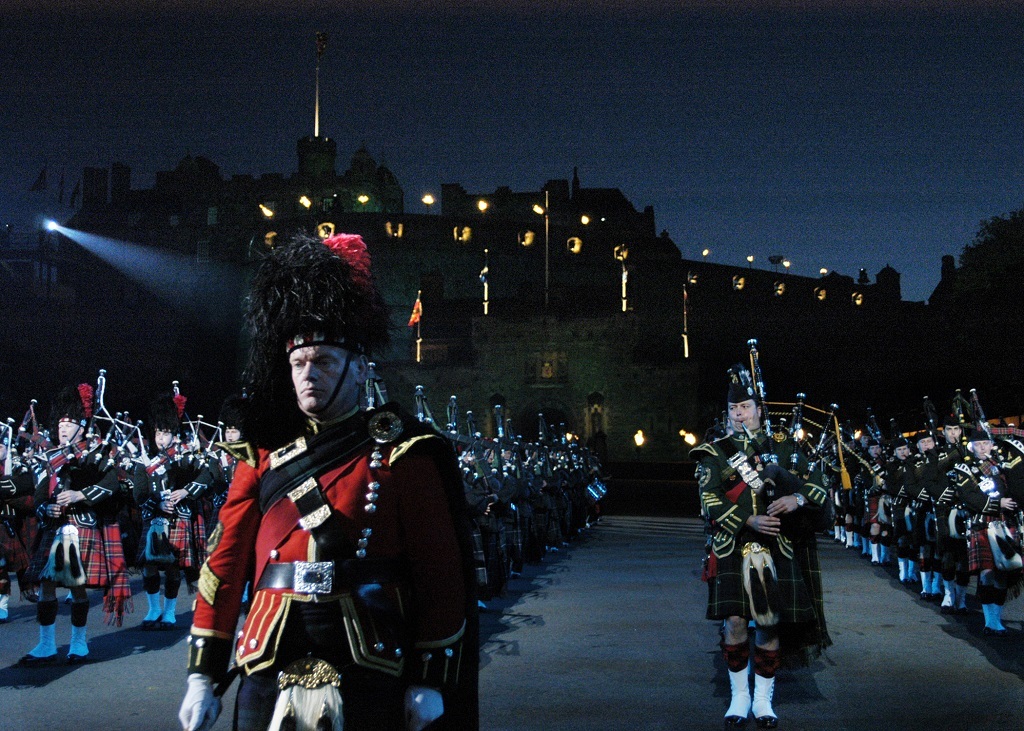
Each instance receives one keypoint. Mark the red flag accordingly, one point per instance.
(417, 311)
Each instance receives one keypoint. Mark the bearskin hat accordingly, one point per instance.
(232, 411)
(73, 403)
(307, 291)
(164, 413)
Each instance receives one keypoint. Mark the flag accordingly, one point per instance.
(40, 184)
(417, 311)
(75, 192)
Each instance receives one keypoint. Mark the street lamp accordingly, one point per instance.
(428, 201)
(638, 440)
(750, 260)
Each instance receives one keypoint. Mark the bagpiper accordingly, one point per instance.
(754, 572)
(994, 555)
(170, 501)
(80, 545)
(17, 488)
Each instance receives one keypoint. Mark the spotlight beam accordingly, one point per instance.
(207, 289)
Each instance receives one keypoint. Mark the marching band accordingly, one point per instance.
(141, 498)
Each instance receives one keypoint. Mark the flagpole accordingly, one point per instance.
(321, 45)
(418, 311)
(686, 331)
(484, 274)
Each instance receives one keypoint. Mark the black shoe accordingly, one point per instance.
(735, 721)
(767, 722)
(162, 625)
(77, 659)
(995, 632)
(31, 661)
(149, 624)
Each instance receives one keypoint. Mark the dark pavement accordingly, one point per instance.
(608, 634)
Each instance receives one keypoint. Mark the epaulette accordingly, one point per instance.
(404, 446)
(242, 451)
(705, 448)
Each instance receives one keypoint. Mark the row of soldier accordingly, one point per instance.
(949, 511)
(525, 499)
(947, 501)
(101, 501)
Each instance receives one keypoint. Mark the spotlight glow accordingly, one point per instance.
(209, 290)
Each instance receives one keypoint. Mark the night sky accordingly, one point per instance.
(840, 138)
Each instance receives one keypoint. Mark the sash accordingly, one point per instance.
(319, 454)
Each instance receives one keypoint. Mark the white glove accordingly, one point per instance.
(200, 707)
(422, 705)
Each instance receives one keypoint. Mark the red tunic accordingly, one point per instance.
(412, 522)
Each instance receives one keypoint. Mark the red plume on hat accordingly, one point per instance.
(352, 249)
(179, 404)
(85, 393)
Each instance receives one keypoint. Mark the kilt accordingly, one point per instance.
(187, 539)
(90, 550)
(15, 539)
(871, 512)
(726, 597)
(979, 552)
(514, 540)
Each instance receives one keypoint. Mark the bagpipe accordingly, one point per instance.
(821, 451)
(543, 457)
(104, 438)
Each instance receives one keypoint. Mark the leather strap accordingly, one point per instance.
(347, 574)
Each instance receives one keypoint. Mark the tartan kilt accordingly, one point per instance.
(187, 539)
(727, 598)
(871, 512)
(479, 560)
(979, 552)
(14, 544)
(514, 540)
(90, 550)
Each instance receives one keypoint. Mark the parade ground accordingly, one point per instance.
(608, 633)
